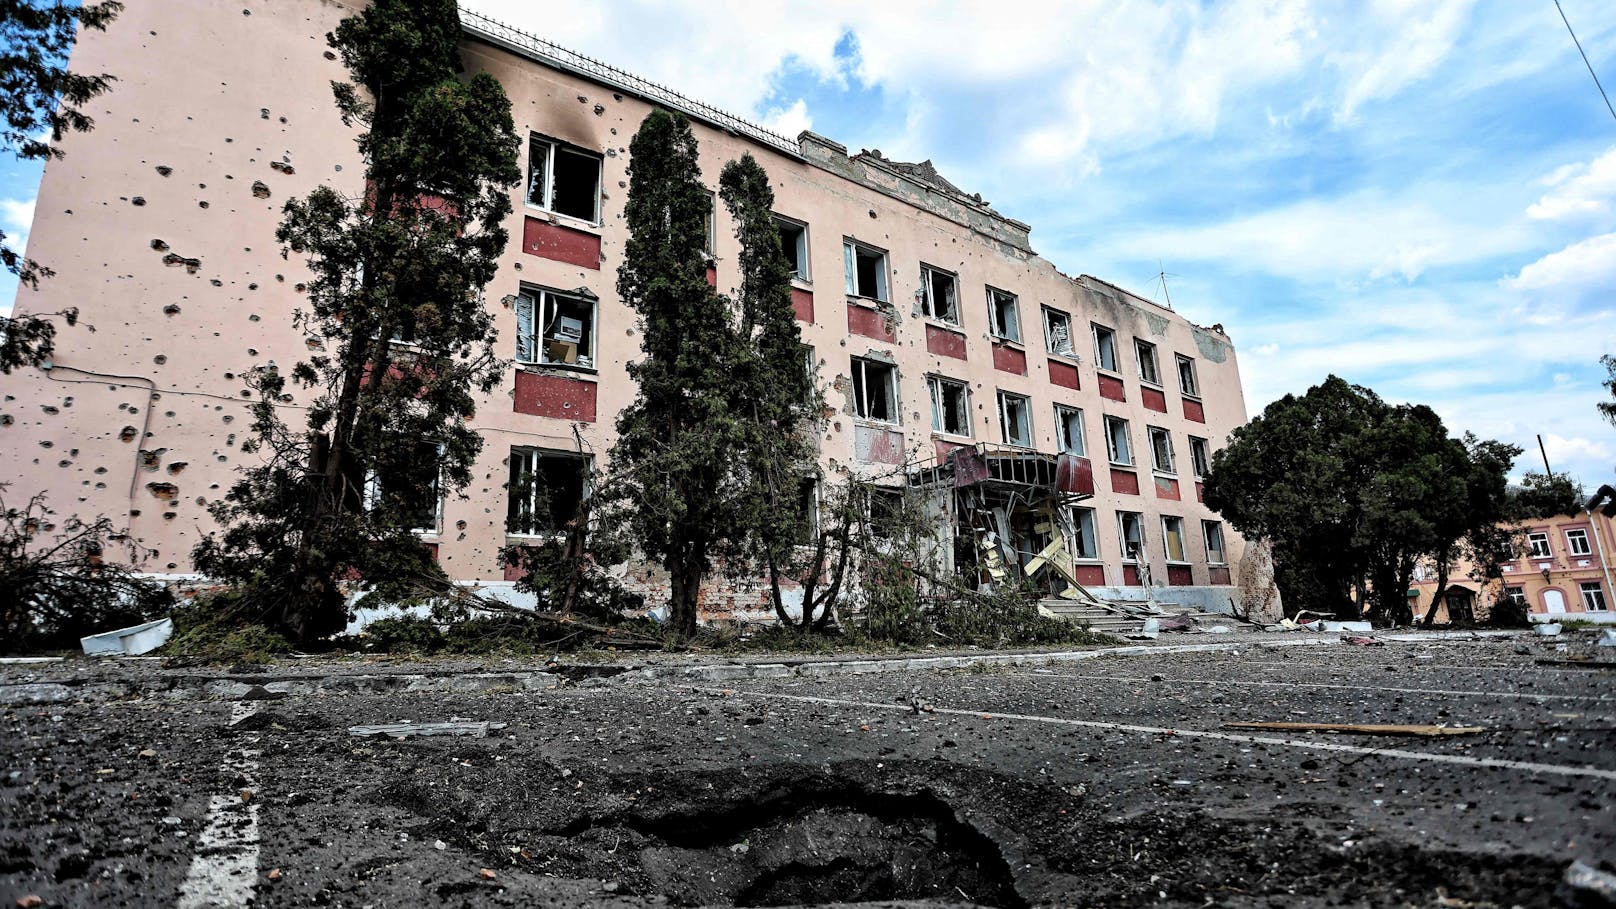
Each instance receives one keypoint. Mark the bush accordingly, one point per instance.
(209, 629)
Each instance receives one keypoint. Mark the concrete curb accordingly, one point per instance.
(238, 688)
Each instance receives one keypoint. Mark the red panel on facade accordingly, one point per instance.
(712, 276)
(1009, 359)
(1220, 576)
(1167, 488)
(563, 244)
(943, 447)
(555, 396)
(431, 550)
(1125, 481)
(1111, 387)
(514, 572)
(1194, 411)
(1089, 575)
(1074, 474)
(877, 445)
(1063, 374)
(1200, 493)
(1180, 576)
(862, 320)
(802, 301)
(945, 343)
(1130, 575)
(1153, 399)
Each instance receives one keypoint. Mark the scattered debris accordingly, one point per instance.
(31, 901)
(1546, 630)
(488, 874)
(274, 874)
(1363, 728)
(1362, 641)
(1584, 887)
(409, 730)
(131, 641)
(1608, 639)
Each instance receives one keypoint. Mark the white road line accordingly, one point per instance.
(1496, 763)
(224, 871)
(1478, 694)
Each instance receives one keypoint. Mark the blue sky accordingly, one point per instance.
(1419, 196)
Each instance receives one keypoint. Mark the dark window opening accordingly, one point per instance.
(545, 491)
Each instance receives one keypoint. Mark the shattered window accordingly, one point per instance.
(808, 501)
(875, 390)
(419, 503)
(1186, 377)
(1516, 595)
(1069, 429)
(1015, 419)
(1058, 332)
(1539, 543)
(1146, 354)
(886, 511)
(1577, 542)
(794, 243)
(563, 179)
(1116, 441)
(950, 406)
(1003, 320)
(866, 269)
(1173, 538)
(1213, 532)
(1105, 348)
(555, 329)
(941, 294)
(1161, 451)
(1085, 542)
(1200, 462)
(546, 488)
(1593, 596)
(1131, 532)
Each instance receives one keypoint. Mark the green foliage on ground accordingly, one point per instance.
(218, 627)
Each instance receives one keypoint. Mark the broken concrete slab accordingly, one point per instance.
(131, 641)
(412, 730)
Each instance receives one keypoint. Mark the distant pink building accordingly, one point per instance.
(1564, 571)
(934, 325)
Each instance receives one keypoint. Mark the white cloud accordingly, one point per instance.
(16, 217)
(789, 121)
(1577, 449)
(1409, 39)
(1579, 190)
(1585, 265)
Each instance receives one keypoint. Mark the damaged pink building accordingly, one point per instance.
(1058, 421)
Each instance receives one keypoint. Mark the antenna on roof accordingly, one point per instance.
(1162, 276)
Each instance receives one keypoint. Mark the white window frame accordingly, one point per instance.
(1111, 448)
(934, 387)
(1156, 461)
(1514, 594)
(536, 307)
(1200, 457)
(863, 405)
(1188, 382)
(1533, 539)
(1144, 353)
(1105, 340)
(1056, 346)
(1219, 554)
(928, 303)
(1000, 329)
(1577, 542)
(552, 146)
(1593, 596)
(851, 249)
(1067, 418)
(1122, 537)
(1087, 532)
(373, 492)
(533, 454)
(1025, 409)
(803, 273)
(1171, 524)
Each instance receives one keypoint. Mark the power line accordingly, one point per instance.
(1585, 59)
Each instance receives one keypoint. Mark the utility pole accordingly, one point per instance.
(1545, 452)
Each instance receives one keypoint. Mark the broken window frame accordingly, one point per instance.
(1116, 428)
(1069, 431)
(553, 148)
(1537, 551)
(710, 241)
(1188, 383)
(1212, 535)
(1514, 594)
(929, 306)
(1162, 457)
(1085, 534)
(1105, 347)
(533, 529)
(1200, 457)
(374, 488)
(884, 520)
(1137, 520)
(935, 386)
(864, 398)
(808, 496)
(1055, 347)
(852, 251)
(1144, 353)
(1023, 408)
(799, 247)
(1173, 532)
(1577, 542)
(1593, 596)
(1000, 304)
(541, 306)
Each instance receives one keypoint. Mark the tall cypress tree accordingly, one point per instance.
(674, 459)
(396, 313)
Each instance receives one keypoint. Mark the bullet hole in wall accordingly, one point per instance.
(260, 189)
(159, 245)
(166, 492)
(164, 170)
(127, 434)
(160, 359)
(138, 200)
(172, 309)
(177, 468)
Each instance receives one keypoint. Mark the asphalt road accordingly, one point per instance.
(1111, 782)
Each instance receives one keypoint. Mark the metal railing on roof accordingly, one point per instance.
(533, 46)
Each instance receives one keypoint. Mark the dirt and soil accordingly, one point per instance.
(1079, 784)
